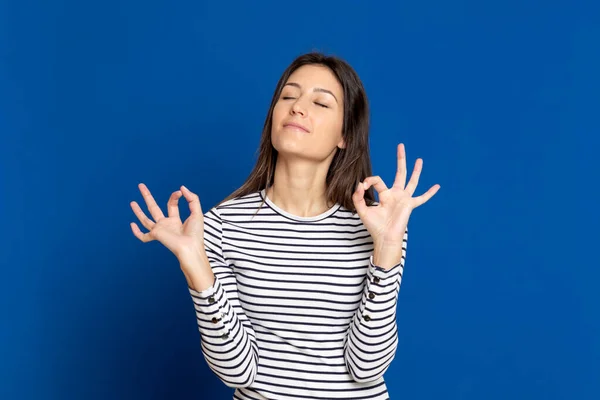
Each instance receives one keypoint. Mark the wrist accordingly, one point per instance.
(197, 270)
(387, 255)
(201, 282)
(191, 255)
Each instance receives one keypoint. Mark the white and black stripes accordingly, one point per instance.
(297, 310)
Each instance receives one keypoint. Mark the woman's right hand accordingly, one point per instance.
(185, 240)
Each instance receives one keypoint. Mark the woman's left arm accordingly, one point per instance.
(372, 338)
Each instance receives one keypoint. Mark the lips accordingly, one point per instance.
(295, 125)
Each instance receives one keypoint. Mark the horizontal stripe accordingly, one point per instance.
(298, 310)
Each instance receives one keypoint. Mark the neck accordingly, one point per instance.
(299, 188)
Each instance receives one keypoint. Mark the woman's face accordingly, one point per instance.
(308, 116)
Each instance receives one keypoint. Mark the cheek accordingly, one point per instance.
(277, 120)
(332, 124)
(278, 112)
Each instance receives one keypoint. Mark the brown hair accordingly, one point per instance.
(349, 165)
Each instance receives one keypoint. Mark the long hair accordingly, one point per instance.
(350, 165)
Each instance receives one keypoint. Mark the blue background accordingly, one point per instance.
(499, 98)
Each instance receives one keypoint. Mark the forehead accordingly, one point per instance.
(311, 76)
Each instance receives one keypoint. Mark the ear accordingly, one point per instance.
(341, 144)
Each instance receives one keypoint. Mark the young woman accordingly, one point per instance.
(295, 276)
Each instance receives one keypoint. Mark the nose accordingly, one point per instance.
(298, 108)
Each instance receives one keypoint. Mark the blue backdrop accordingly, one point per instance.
(499, 98)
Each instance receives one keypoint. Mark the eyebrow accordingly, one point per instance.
(314, 90)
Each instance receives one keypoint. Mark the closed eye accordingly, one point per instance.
(317, 103)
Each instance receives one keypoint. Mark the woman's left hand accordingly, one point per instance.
(387, 222)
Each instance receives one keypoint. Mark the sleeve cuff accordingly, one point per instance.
(213, 312)
(382, 273)
(204, 294)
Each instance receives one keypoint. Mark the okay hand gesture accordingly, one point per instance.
(183, 239)
(388, 221)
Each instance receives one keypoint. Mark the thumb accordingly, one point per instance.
(358, 198)
(194, 226)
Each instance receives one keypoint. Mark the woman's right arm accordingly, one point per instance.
(228, 339)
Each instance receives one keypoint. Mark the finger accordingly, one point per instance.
(400, 180)
(376, 182)
(146, 222)
(173, 204)
(414, 178)
(358, 198)
(424, 198)
(144, 237)
(154, 209)
(193, 200)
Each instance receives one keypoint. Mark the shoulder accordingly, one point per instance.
(235, 207)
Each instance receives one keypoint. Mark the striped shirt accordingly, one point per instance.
(297, 310)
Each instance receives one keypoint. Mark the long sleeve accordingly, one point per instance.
(228, 340)
(372, 338)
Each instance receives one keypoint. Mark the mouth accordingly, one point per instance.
(295, 126)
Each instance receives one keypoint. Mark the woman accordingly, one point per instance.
(295, 276)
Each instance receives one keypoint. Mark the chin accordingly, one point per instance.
(288, 147)
(288, 137)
